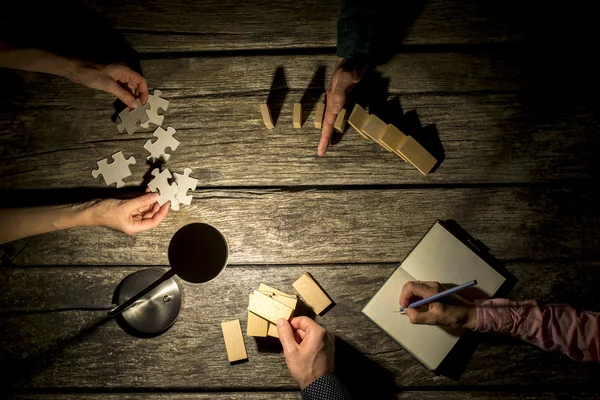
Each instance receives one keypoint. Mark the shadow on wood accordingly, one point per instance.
(361, 375)
(277, 94)
(313, 93)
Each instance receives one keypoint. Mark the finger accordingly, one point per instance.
(304, 323)
(286, 336)
(419, 289)
(113, 87)
(140, 84)
(301, 333)
(297, 337)
(143, 201)
(421, 318)
(151, 223)
(150, 211)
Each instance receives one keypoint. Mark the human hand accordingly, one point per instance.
(347, 74)
(463, 315)
(308, 349)
(112, 78)
(129, 216)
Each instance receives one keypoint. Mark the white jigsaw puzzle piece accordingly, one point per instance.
(164, 141)
(168, 192)
(185, 183)
(116, 171)
(156, 103)
(130, 118)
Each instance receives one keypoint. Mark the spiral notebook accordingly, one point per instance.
(439, 256)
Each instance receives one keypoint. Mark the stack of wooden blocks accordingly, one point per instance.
(392, 139)
(266, 306)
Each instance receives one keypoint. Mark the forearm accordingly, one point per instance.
(557, 328)
(37, 61)
(23, 222)
(327, 387)
(356, 28)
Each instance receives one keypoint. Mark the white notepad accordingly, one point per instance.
(441, 257)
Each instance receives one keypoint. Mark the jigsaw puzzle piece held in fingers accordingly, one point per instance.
(164, 141)
(130, 118)
(185, 183)
(168, 191)
(156, 103)
(116, 171)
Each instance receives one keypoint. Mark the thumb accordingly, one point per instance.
(144, 201)
(286, 335)
(122, 94)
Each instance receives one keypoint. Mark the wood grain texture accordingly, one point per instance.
(486, 137)
(73, 349)
(328, 226)
(258, 24)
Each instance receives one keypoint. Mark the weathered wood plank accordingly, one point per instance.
(60, 350)
(50, 127)
(412, 395)
(328, 226)
(154, 26)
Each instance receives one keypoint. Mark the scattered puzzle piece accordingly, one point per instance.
(130, 118)
(185, 183)
(234, 341)
(340, 121)
(116, 171)
(297, 115)
(312, 293)
(319, 115)
(168, 192)
(266, 116)
(164, 141)
(156, 103)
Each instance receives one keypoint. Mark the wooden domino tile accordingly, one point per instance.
(312, 293)
(393, 139)
(357, 120)
(374, 128)
(416, 154)
(272, 332)
(266, 116)
(297, 115)
(340, 121)
(289, 300)
(234, 341)
(268, 308)
(319, 115)
(257, 326)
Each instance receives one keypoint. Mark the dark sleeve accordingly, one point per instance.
(327, 387)
(356, 28)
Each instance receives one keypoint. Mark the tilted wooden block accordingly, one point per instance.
(297, 117)
(234, 341)
(268, 308)
(358, 118)
(266, 116)
(374, 128)
(416, 154)
(289, 300)
(340, 121)
(257, 326)
(393, 139)
(312, 293)
(319, 115)
(272, 332)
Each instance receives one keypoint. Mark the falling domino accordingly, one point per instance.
(266, 116)
(340, 121)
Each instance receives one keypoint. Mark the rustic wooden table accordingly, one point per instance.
(514, 110)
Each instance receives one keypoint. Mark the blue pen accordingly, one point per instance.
(440, 295)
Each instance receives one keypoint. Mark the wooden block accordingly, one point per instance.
(340, 121)
(393, 139)
(234, 341)
(272, 332)
(312, 293)
(297, 117)
(357, 119)
(266, 116)
(268, 308)
(289, 300)
(319, 115)
(417, 155)
(257, 326)
(374, 128)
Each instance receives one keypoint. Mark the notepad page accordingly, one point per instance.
(441, 257)
(429, 344)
